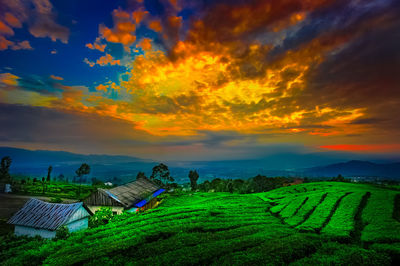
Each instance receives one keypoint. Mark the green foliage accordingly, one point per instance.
(84, 169)
(342, 221)
(321, 212)
(56, 200)
(5, 169)
(101, 217)
(5, 228)
(335, 214)
(226, 229)
(392, 250)
(97, 182)
(161, 174)
(396, 208)
(49, 170)
(62, 233)
(378, 216)
(332, 253)
(54, 189)
(140, 175)
(305, 209)
(193, 176)
(258, 183)
(340, 178)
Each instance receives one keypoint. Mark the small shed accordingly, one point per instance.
(42, 218)
(137, 195)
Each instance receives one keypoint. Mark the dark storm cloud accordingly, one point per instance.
(30, 125)
(366, 72)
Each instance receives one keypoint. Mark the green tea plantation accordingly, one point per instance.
(324, 223)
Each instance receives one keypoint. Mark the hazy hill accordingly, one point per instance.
(356, 168)
(106, 167)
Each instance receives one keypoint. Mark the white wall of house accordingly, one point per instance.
(134, 209)
(78, 225)
(117, 210)
(30, 231)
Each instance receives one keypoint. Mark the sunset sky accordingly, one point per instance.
(200, 79)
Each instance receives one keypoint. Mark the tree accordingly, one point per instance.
(101, 217)
(339, 178)
(217, 184)
(140, 175)
(5, 168)
(49, 173)
(97, 182)
(230, 186)
(193, 176)
(84, 169)
(43, 185)
(205, 186)
(161, 174)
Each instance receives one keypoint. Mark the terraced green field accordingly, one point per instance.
(293, 225)
(355, 212)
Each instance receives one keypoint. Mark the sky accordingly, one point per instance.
(200, 79)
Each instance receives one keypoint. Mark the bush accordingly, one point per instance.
(56, 200)
(101, 217)
(62, 233)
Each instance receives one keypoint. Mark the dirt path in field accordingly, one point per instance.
(11, 203)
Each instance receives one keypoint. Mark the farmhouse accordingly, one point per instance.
(137, 195)
(42, 218)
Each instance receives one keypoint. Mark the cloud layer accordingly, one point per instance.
(39, 17)
(319, 73)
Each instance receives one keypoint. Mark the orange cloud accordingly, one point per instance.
(56, 77)
(4, 29)
(139, 15)
(107, 60)
(123, 31)
(155, 25)
(90, 63)
(24, 45)
(4, 43)
(218, 78)
(363, 147)
(9, 79)
(145, 44)
(12, 20)
(96, 45)
(119, 36)
(102, 87)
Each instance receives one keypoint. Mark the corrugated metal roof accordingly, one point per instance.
(133, 192)
(44, 215)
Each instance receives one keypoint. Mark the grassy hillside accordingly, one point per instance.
(293, 225)
(344, 211)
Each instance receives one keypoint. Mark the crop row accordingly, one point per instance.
(378, 216)
(342, 221)
(321, 213)
(306, 208)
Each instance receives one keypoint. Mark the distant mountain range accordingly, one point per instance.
(355, 168)
(125, 168)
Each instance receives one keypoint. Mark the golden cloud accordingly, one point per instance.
(219, 78)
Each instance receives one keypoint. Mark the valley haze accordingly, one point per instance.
(105, 167)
